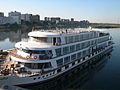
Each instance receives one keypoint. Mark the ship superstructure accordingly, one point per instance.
(50, 53)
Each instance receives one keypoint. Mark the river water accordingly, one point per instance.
(105, 75)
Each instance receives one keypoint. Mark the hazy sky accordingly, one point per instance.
(92, 10)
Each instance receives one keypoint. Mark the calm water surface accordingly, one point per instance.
(104, 76)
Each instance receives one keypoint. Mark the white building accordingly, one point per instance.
(1, 14)
(65, 20)
(26, 17)
(16, 16)
(5, 20)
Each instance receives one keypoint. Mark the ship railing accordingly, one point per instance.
(20, 74)
(14, 53)
(60, 31)
(14, 71)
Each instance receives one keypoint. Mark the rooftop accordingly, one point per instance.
(57, 33)
(44, 33)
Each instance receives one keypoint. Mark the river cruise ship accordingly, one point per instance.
(50, 53)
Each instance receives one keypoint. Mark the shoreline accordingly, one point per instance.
(29, 27)
(104, 25)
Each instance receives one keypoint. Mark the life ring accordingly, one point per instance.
(35, 57)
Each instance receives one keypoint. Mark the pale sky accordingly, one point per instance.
(92, 10)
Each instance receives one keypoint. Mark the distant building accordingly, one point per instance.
(72, 19)
(6, 20)
(84, 23)
(26, 17)
(65, 20)
(1, 14)
(35, 18)
(47, 19)
(53, 19)
(16, 16)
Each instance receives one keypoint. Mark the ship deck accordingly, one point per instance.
(14, 54)
(68, 31)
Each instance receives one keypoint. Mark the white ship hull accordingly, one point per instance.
(17, 80)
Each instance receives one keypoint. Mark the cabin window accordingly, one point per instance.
(67, 40)
(42, 53)
(81, 37)
(31, 65)
(88, 43)
(38, 65)
(65, 50)
(59, 40)
(78, 55)
(83, 45)
(92, 42)
(39, 39)
(87, 52)
(78, 47)
(54, 41)
(90, 35)
(66, 60)
(71, 39)
(26, 51)
(47, 65)
(87, 36)
(38, 52)
(72, 48)
(60, 62)
(84, 37)
(84, 53)
(45, 54)
(76, 38)
(58, 52)
(73, 57)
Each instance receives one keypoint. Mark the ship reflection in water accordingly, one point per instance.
(12, 88)
(75, 78)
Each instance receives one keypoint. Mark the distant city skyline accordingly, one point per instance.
(103, 11)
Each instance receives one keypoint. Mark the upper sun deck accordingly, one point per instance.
(44, 33)
(51, 38)
(58, 33)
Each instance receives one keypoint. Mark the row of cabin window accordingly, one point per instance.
(38, 65)
(67, 59)
(103, 39)
(73, 48)
(42, 53)
(102, 45)
(45, 52)
(71, 39)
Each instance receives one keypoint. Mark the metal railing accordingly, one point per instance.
(60, 31)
